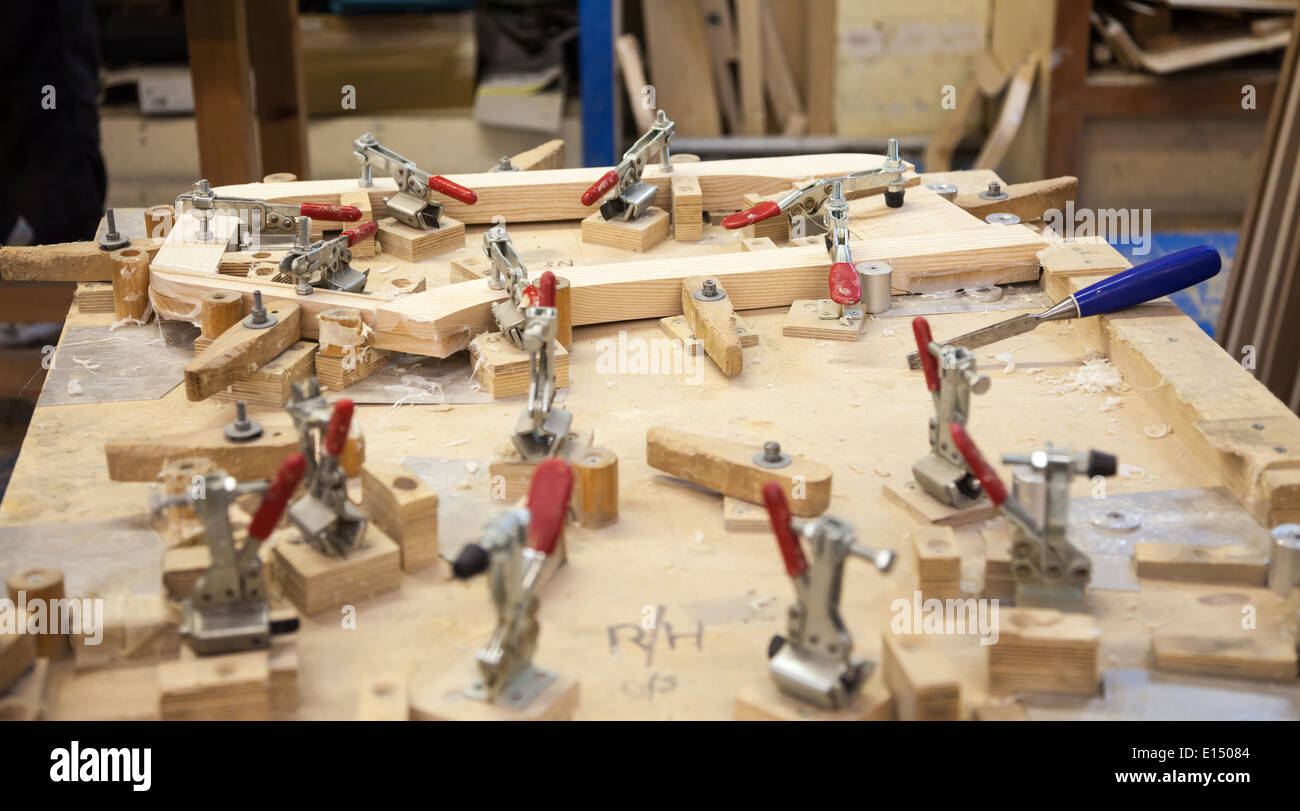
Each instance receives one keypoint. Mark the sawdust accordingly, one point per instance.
(1095, 376)
(1159, 431)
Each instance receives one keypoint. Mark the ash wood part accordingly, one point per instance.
(926, 509)
(314, 582)
(763, 701)
(1028, 201)
(728, 468)
(444, 700)
(272, 384)
(1219, 565)
(229, 687)
(802, 321)
(407, 511)
(412, 244)
(383, 696)
(130, 284)
(43, 586)
(503, 370)
(714, 325)
(94, 297)
(242, 350)
(1246, 656)
(920, 678)
(549, 155)
(938, 563)
(182, 567)
(688, 211)
(639, 235)
(744, 516)
(17, 655)
(142, 459)
(221, 310)
(64, 262)
(280, 177)
(595, 487)
(1044, 650)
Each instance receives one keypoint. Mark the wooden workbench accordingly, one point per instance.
(718, 596)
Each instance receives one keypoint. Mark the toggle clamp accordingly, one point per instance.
(326, 264)
(518, 546)
(412, 204)
(1050, 572)
(813, 662)
(229, 610)
(257, 218)
(327, 519)
(633, 197)
(507, 272)
(542, 428)
(951, 377)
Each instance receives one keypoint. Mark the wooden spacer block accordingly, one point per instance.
(282, 661)
(595, 493)
(384, 697)
(504, 370)
(999, 581)
(143, 459)
(763, 701)
(134, 628)
(130, 284)
(776, 228)
(336, 374)
(242, 350)
(938, 563)
(1244, 656)
(714, 324)
(676, 326)
(928, 510)
(230, 687)
(94, 297)
(921, 679)
(1082, 257)
(399, 504)
(757, 244)
(182, 567)
(361, 199)
(272, 384)
(801, 321)
(411, 244)
(563, 312)
(744, 516)
(688, 209)
(639, 235)
(219, 310)
(444, 700)
(1231, 565)
(43, 586)
(728, 468)
(315, 582)
(158, 221)
(1028, 201)
(1041, 650)
(17, 654)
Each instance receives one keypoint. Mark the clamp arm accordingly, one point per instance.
(277, 497)
(627, 173)
(997, 491)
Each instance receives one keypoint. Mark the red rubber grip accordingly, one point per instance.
(277, 496)
(363, 231)
(921, 329)
(975, 460)
(453, 190)
(599, 188)
(336, 434)
(844, 284)
(763, 211)
(548, 504)
(779, 512)
(531, 295)
(546, 290)
(319, 211)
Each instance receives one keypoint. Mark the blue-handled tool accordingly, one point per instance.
(1148, 281)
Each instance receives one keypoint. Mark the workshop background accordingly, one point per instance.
(1161, 105)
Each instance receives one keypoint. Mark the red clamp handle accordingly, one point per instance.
(763, 211)
(779, 512)
(320, 211)
(548, 504)
(975, 460)
(363, 231)
(453, 190)
(546, 290)
(921, 329)
(845, 286)
(277, 496)
(336, 434)
(598, 189)
(531, 295)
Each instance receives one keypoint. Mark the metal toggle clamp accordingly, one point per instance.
(326, 264)
(412, 204)
(951, 377)
(256, 217)
(633, 198)
(542, 428)
(327, 519)
(507, 272)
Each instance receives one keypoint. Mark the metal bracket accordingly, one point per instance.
(542, 428)
(942, 472)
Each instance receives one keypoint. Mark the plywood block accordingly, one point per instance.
(938, 563)
(17, 654)
(688, 211)
(921, 679)
(272, 384)
(444, 700)
(242, 350)
(1083, 256)
(509, 481)
(504, 370)
(412, 244)
(142, 459)
(999, 582)
(315, 582)
(407, 511)
(1044, 650)
(282, 661)
(776, 229)
(728, 467)
(469, 268)
(1245, 656)
(384, 697)
(802, 321)
(763, 701)
(639, 235)
(1001, 711)
(337, 374)
(1220, 565)
(94, 297)
(230, 687)
(182, 567)
(744, 516)
(929, 510)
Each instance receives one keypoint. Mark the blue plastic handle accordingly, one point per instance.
(1150, 280)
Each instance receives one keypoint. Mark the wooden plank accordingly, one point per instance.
(231, 687)
(224, 106)
(242, 350)
(820, 58)
(714, 325)
(628, 52)
(721, 34)
(779, 79)
(316, 583)
(763, 701)
(549, 155)
(938, 563)
(1010, 116)
(1027, 201)
(273, 47)
(728, 467)
(142, 459)
(679, 66)
(1220, 565)
(688, 210)
(749, 24)
(444, 700)
(65, 262)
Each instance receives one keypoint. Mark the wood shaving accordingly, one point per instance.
(1109, 404)
(1009, 359)
(1095, 376)
(74, 387)
(1157, 431)
(887, 332)
(85, 363)
(456, 442)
